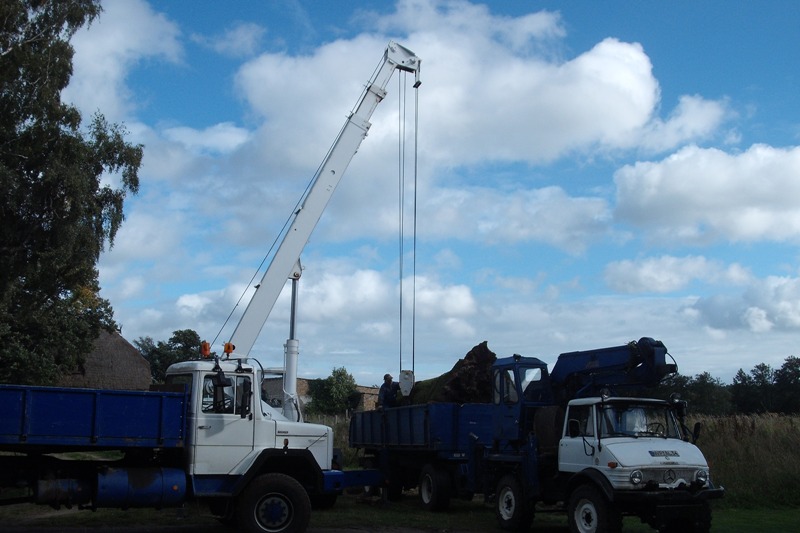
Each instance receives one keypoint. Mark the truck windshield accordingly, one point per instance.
(637, 420)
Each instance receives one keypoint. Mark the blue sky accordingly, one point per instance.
(588, 173)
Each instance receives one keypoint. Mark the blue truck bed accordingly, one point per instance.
(55, 419)
(440, 427)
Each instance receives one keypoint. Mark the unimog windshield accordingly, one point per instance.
(634, 419)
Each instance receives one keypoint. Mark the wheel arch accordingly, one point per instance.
(299, 464)
(593, 477)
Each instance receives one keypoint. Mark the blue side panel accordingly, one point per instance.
(443, 427)
(54, 416)
(338, 480)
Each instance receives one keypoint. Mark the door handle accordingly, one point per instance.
(203, 427)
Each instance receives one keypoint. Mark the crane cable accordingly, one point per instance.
(401, 119)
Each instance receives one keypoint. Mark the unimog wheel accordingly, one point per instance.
(513, 511)
(590, 513)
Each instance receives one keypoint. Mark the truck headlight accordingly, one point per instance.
(636, 477)
(701, 476)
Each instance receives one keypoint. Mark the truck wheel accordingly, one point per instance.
(514, 512)
(274, 503)
(434, 488)
(590, 513)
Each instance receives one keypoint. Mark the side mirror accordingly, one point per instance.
(573, 428)
(696, 432)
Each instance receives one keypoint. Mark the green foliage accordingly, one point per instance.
(182, 346)
(755, 392)
(787, 385)
(57, 211)
(705, 394)
(332, 394)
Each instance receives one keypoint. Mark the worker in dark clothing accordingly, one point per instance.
(387, 395)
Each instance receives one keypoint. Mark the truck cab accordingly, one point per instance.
(230, 426)
(621, 455)
(519, 385)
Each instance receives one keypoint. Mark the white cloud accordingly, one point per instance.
(767, 304)
(443, 302)
(241, 40)
(668, 274)
(219, 138)
(127, 32)
(694, 118)
(704, 194)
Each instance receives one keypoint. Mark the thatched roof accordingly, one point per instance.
(113, 363)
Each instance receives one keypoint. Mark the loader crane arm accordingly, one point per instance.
(634, 366)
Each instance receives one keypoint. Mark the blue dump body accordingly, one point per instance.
(445, 428)
(52, 417)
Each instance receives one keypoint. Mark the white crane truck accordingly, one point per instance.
(207, 434)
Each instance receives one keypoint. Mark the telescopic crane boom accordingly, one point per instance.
(285, 263)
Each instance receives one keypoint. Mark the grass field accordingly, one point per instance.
(352, 512)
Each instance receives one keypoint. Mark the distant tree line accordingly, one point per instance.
(761, 390)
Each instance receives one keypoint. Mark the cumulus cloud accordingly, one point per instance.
(699, 195)
(606, 96)
(241, 40)
(547, 215)
(668, 274)
(125, 34)
(219, 138)
(767, 304)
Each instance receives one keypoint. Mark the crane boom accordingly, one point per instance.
(282, 266)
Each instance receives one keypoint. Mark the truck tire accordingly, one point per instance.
(514, 512)
(274, 503)
(589, 512)
(434, 488)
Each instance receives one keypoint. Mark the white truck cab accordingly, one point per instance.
(231, 423)
(633, 456)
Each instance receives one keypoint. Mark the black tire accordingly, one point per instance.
(434, 488)
(589, 512)
(702, 519)
(513, 510)
(274, 503)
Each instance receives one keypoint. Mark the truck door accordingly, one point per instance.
(506, 401)
(223, 437)
(578, 444)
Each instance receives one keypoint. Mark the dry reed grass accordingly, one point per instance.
(755, 457)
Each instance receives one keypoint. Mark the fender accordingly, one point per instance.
(593, 476)
(299, 464)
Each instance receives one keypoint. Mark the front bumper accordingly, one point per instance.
(667, 497)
